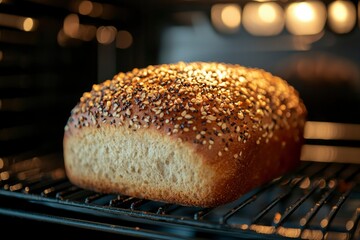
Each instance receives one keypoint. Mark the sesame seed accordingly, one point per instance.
(240, 115)
(211, 117)
(215, 110)
(108, 104)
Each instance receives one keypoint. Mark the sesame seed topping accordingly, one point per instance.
(207, 102)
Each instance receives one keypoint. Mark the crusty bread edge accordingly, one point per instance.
(221, 181)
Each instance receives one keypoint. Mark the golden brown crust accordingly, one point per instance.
(245, 123)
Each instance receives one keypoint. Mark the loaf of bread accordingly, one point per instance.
(198, 134)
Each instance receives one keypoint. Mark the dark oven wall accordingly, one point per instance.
(49, 55)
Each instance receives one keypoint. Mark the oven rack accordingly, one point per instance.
(318, 201)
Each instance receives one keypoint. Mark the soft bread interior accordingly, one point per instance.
(130, 162)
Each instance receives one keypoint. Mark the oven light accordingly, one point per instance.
(332, 131)
(342, 16)
(23, 23)
(267, 12)
(263, 19)
(4, 175)
(85, 7)
(230, 15)
(124, 39)
(73, 29)
(320, 153)
(71, 25)
(226, 17)
(106, 34)
(28, 24)
(304, 12)
(305, 18)
(92, 9)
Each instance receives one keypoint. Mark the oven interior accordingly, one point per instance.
(53, 51)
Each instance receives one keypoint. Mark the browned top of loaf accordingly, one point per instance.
(214, 106)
